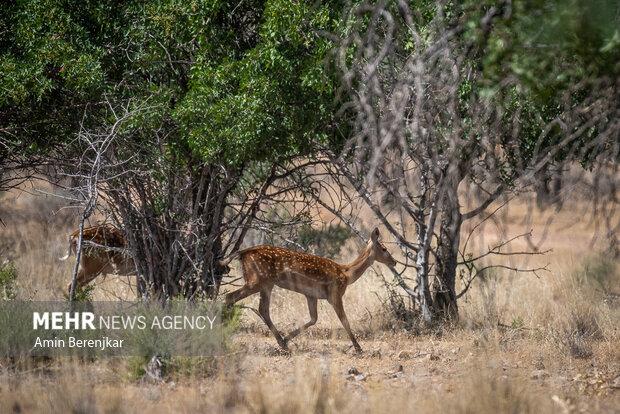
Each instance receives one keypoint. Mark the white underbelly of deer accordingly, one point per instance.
(300, 283)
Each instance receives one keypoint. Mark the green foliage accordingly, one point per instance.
(192, 367)
(8, 278)
(15, 329)
(245, 81)
(50, 67)
(47, 51)
(517, 323)
(231, 317)
(551, 48)
(272, 99)
(539, 59)
(84, 293)
(325, 242)
(564, 41)
(235, 82)
(168, 344)
(136, 367)
(175, 367)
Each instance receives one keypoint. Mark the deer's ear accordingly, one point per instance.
(374, 236)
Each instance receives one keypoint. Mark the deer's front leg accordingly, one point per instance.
(336, 301)
(312, 308)
(263, 309)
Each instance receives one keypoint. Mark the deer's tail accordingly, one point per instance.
(225, 262)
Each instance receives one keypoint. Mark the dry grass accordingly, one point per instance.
(524, 343)
(485, 384)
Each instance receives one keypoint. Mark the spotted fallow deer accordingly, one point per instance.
(315, 277)
(102, 253)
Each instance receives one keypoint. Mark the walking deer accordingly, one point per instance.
(101, 253)
(315, 277)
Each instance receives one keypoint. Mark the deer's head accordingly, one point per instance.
(379, 251)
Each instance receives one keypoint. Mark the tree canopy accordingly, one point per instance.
(240, 81)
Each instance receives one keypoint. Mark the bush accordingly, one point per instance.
(578, 331)
(400, 311)
(181, 353)
(83, 293)
(8, 278)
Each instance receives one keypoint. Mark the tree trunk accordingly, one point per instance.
(444, 288)
(176, 236)
(548, 187)
(423, 293)
(425, 237)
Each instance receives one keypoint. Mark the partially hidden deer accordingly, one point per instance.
(314, 277)
(102, 253)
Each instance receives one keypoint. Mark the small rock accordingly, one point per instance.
(539, 374)
(455, 350)
(360, 377)
(354, 374)
(616, 382)
(432, 357)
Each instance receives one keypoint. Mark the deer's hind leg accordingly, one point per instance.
(252, 284)
(81, 280)
(312, 308)
(239, 294)
(89, 270)
(263, 309)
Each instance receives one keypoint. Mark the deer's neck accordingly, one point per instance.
(357, 267)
